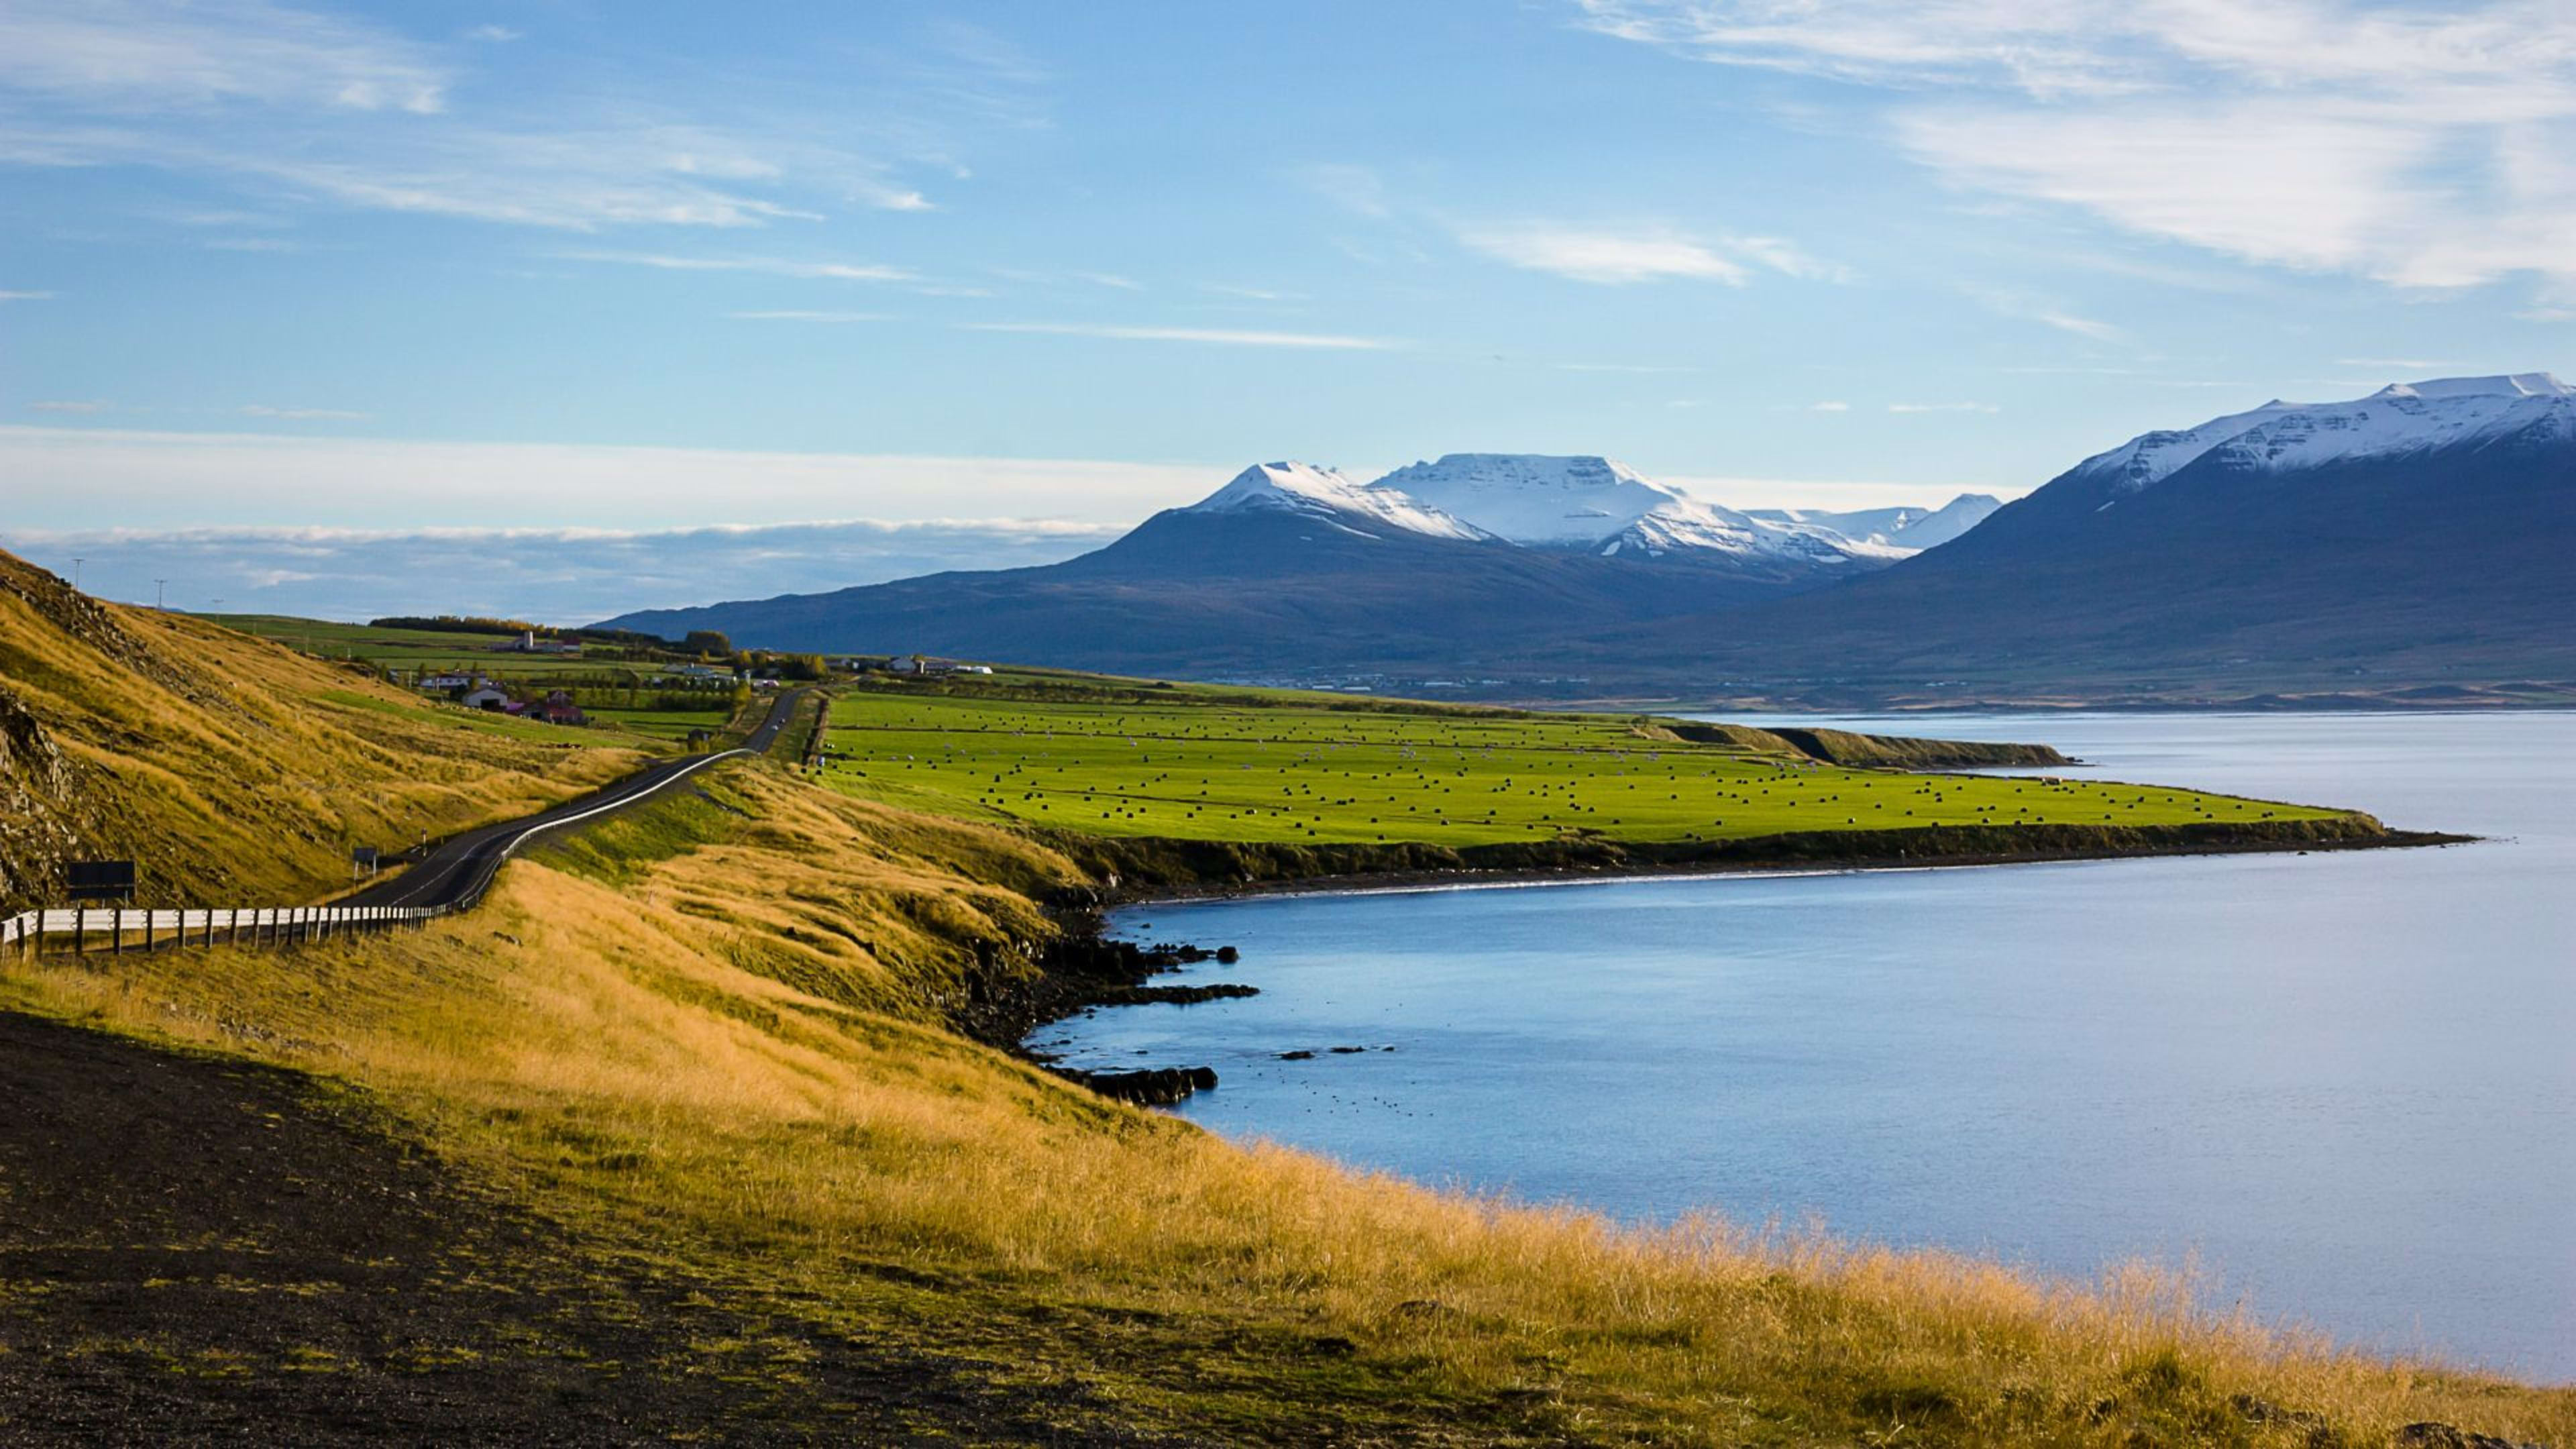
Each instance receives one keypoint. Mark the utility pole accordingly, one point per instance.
(76, 563)
(158, 588)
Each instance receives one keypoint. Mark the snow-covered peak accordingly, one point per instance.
(2515, 384)
(1528, 498)
(2401, 418)
(1303, 488)
(1604, 506)
(1906, 530)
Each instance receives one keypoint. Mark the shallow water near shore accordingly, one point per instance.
(2343, 1083)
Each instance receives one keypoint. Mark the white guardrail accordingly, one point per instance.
(117, 929)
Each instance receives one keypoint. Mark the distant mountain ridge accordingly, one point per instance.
(1290, 566)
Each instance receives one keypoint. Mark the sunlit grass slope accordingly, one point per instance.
(710, 1036)
(235, 771)
(1303, 770)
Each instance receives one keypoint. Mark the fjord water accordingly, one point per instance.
(2344, 1084)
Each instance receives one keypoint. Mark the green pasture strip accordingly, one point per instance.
(439, 651)
(1308, 772)
(664, 724)
(495, 723)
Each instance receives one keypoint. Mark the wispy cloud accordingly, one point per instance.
(1625, 255)
(2027, 308)
(1606, 258)
(1829, 407)
(1943, 407)
(1111, 280)
(305, 107)
(303, 415)
(1249, 294)
(1355, 189)
(2402, 364)
(68, 405)
(807, 316)
(134, 56)
(772, 266)
(2421, 144)
(1221, 336)
(2084, 327)
(26, 296)
(493, 34)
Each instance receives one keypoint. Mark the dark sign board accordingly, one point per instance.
(101, 880)
(363, 855)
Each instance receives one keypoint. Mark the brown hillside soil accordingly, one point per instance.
(203, 1250)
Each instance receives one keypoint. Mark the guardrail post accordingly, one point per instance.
(116, 941)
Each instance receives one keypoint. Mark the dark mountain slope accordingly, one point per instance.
(2426, 566)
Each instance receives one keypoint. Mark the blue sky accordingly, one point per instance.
(279, 277)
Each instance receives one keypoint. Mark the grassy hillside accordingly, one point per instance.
(1294, 769)
(709, 1043)
(233, 770)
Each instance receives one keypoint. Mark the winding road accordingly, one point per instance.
(457, 869)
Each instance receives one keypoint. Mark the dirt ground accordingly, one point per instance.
(200, 1250)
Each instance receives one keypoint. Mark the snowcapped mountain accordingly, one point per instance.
(2414, 539)
(1909, 529)
(1292, 566)
(1605, 506)
(2399, 419)
(1321, 494)
(1534, 500)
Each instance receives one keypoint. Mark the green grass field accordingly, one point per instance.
(600, 686)
(1308, 772)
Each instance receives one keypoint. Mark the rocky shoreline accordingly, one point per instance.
(1082, 968)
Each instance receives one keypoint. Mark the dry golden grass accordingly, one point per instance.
(717, 1034)
(232, 770)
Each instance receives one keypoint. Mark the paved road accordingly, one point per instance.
(459, 867)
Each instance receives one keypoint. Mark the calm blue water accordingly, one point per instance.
(2345, 1083)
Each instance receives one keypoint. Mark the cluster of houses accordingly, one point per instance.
(476, 692)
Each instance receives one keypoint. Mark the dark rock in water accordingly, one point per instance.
(1297, 1056)
(1227, 955)
(1157, 1087)
(1173, 995)
(1346, 1051)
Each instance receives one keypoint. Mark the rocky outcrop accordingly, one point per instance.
(41, 807)
(1160, 1087)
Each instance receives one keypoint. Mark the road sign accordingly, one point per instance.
(101, 880)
